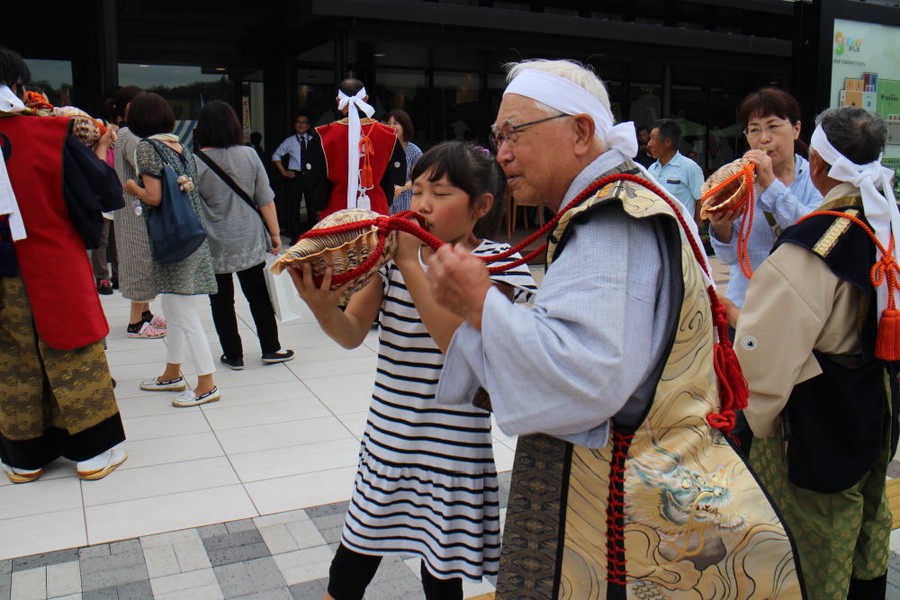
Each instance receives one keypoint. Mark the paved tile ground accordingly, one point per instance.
(241, 499)
(284, 555)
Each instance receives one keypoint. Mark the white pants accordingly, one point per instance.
(186, 331)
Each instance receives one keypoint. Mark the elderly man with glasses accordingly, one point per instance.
(622, 485)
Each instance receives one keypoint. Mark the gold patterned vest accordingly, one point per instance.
(667, 509)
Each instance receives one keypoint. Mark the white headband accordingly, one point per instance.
(880, 208)
(358, 102)
(9, 102)
(572, 99)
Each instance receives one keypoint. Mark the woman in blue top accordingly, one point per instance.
(401, 122)
(783, 191)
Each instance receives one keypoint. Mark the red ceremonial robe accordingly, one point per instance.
(52, 259)
(334, 145)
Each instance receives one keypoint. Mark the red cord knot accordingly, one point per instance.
(886, 269)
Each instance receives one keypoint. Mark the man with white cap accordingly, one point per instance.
(621, 484)
(821, 409)
(363, 159)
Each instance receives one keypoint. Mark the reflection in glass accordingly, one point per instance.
(54, 77)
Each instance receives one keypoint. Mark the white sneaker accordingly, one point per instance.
(189, 398)
(155, 385)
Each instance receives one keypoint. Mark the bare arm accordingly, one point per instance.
(350, 326)
(270, 218)
(150, 194)
(284, 172)
(440, 322)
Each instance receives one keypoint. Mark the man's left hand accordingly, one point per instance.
(459, 282)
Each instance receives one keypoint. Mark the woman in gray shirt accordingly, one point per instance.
(231, 177)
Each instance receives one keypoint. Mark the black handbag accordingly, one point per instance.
(174, 229)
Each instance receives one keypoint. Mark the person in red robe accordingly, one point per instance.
(363, 159)
(56, 394)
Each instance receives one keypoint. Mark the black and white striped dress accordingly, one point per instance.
(426, 483)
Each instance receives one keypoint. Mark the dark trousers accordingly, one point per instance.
(253, 285)
(351, 573)
(301, 189)
(105, 253)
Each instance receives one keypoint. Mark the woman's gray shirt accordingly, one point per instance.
(238, 238)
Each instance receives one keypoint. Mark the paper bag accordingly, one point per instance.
(285, 299)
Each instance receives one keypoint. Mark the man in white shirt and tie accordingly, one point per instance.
(301, 177)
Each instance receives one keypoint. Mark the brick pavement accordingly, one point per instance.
(284, 555)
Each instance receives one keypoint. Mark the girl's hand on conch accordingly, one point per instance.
(407, 248)
(319, 298)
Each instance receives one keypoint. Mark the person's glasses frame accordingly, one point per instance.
(511, 132)
(755, 132)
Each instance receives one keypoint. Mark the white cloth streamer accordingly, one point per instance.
(9, 206)
(9, 102)
(880, 207)
(358, 101)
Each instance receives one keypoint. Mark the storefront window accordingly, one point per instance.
(186, 88)
(54, 77)
(455, 106)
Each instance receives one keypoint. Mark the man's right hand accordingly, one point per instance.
(459, 282)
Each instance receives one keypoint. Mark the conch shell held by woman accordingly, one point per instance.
(726, 189)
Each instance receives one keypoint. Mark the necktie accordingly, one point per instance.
(303, 142)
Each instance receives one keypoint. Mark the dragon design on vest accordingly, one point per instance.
(689, 509)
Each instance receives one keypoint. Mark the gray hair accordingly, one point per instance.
(854, 132)
(575, 72)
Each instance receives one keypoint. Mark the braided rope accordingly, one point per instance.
(885, 268)
(733, 390)
(747, 212)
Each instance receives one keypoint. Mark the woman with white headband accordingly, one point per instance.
(819, 387)
(363, 159)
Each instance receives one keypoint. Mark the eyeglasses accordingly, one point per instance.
(510, 133)
(755, 132)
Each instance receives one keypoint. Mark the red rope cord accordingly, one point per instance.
(401, 222)
(747, 212)
(885, 268)
(733, 391)
(616, 567)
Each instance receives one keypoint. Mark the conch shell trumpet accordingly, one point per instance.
(727, 188)
(343, 251)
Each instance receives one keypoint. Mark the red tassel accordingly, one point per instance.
(733, 388)
(887, 346)
(366, 179)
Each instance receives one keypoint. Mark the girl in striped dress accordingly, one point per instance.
(426, 483)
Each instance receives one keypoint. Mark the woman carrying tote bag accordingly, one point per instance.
(239, 212)
(151, 118)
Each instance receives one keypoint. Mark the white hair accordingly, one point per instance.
(575, 72)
